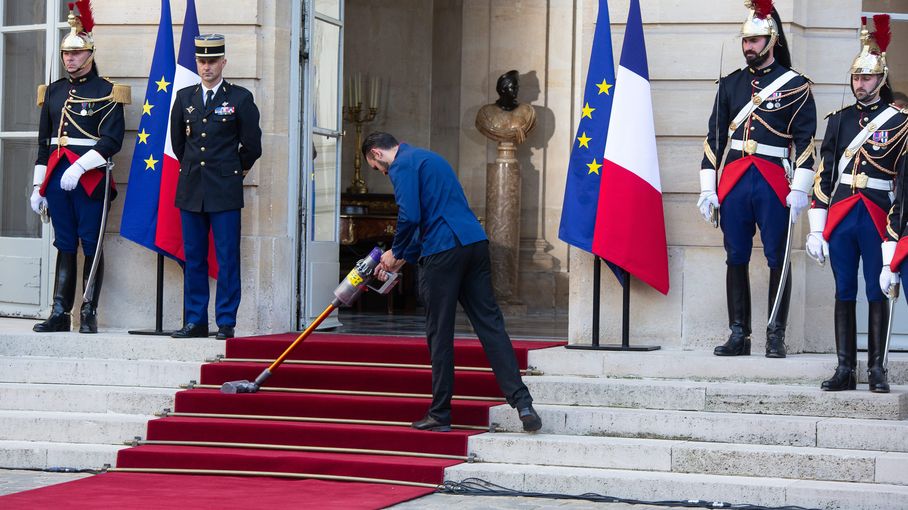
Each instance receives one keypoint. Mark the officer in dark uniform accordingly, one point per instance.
(81, 128)
(765, 115)
(216, 137)
(863, 150)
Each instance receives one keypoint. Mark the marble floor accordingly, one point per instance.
(547, 326)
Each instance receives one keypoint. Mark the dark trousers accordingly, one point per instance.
(75, 216)
(752, 203)
(225, 227)
(463, 275)
(856, 240)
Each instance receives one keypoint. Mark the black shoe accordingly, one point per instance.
(844, 379)
(876, 377)
(88, 319)
(530, 418)
(56, 322)
(225, 332)
(775, 346)
(775, 332)
(737, 345)
(191, 330)
(430, 423)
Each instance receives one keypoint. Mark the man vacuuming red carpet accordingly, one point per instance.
(437, 230)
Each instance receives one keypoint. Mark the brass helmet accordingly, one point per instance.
(79, 37)
(872, 58)
(764, 21)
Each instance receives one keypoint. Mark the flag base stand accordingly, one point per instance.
(159, 306)
(625, 317)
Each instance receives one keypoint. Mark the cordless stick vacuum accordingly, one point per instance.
(351, 287)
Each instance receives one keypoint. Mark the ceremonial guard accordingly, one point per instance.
(214, 129)
(765, 115)
(862, 153)
(80, 129)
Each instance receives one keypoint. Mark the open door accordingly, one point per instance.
(320, 156)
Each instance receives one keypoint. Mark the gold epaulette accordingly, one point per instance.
(736, 71)
(121, 94)
(802, 74)
(42, 91)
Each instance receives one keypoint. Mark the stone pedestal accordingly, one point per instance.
(503, 222)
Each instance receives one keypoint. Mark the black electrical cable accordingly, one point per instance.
(480, 487)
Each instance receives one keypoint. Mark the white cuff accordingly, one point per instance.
(91, 159)
(40, 172)
(888, 251)
(817, 219)
(707, 180)
(803, 180)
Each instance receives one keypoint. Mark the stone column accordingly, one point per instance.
(503, 221)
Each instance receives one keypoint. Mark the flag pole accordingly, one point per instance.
(625, 344)
(159, 306)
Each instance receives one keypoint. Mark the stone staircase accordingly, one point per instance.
(678, 425)
(69, 400)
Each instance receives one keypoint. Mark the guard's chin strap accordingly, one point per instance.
(770, 44)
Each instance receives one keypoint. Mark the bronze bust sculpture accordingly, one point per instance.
(506, 120)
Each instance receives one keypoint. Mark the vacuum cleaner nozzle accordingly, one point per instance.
(244, 386)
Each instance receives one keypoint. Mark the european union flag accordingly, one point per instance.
(581, 194)
(140, 210)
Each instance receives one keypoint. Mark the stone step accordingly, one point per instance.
(714, 427)
(86, 399)
(806, 463)
(728, 397)
(660, 486)
(110, 372)
(49, 455)
(806, 369)
(57, 427)
(119, 345)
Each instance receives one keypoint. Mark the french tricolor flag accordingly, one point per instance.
(630, 224)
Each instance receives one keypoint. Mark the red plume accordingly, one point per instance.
(882, 32)
(88, 22)
(863, 21)
(762, 8)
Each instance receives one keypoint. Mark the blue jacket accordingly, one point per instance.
(433, 214)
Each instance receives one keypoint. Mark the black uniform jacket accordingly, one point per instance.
(876, 159)
(786, 117)
(215, 145)
(80, 110)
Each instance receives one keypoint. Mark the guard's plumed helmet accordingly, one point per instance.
(81, 25)
(872, 58)
(763, 21)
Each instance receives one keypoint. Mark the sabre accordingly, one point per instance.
(90, 282)
(786, 263)
(893, 299)
(714, 211)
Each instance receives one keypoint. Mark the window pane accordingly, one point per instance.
(24, 12)
(16, 216)
(325, 55)
(324, 188)
(328, 8)
(64, 11)
(23, 70)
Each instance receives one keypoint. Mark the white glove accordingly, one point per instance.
(707, 199)
(71, 176)
(888, 279)
(817, 247)
(797, 201)
(37, 201)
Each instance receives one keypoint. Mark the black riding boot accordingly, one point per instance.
(775, 332)
(877, 323)
(846, 347)
(89, 315)
(737, 290)
(64, 295)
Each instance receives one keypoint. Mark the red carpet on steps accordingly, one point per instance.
(262, 425)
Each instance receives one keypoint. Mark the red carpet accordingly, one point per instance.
(265, 422)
